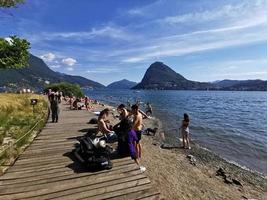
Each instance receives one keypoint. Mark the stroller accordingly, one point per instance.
(94, 153)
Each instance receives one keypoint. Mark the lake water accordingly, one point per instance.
(232, 124)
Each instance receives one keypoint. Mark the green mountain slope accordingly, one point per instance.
(38, 74)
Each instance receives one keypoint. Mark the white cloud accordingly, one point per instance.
(55, 66)
(102, 70)
(49, 57)
(136, 12)
(69, 62)
(178, 45)
(107, 31)
(70, 68)
(145, 10)
(228, 11)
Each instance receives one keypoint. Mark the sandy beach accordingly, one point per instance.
(177, 177)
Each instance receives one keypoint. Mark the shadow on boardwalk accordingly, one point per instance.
(48, 169)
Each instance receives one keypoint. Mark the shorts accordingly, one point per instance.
(134, 156)
(185, 132)
(139, 136)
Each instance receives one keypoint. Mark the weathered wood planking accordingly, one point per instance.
(46, 171)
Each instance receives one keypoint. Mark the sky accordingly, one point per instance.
(109, 40)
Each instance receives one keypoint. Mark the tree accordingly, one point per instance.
(10, 3)
(13, 50)
(66, 88)
(14, 53)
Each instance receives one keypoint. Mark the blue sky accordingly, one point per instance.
(108, 40)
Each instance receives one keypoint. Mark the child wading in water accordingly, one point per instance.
(185, 131)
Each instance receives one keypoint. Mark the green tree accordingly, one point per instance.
(10, 3)
(66, 88)
(14, 53)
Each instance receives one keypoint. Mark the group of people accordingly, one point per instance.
(80, 103)
(128, 132)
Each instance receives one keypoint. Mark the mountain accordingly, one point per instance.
(225, 83)
(160, 76)
(230, 83)
(38, 74)
(245, 85)
(122, 84)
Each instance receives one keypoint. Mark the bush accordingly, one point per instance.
(66, 88)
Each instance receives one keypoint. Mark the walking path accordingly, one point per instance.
(47, 169)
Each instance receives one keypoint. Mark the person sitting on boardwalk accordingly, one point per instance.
(185, 131)
(103, 128)
(137, 127)
(54, 107)
(86, 102)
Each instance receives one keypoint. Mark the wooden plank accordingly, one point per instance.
(107, 191)
(154, 197)
(65, 181)
(40, 159)
(149, 193)
(90, 187)
(50, 144)
(62, 161)
(127, 189)
(15, 174)
(47, 168)
(52, 177)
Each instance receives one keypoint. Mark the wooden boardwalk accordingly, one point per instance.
(47, 169)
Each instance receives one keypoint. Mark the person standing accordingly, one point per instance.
(149, 109)
(132, 142)
(86, 103)
(185, 131)
(122, 130)
(54, 107)
(137, 127)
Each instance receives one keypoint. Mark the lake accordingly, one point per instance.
(231, 124)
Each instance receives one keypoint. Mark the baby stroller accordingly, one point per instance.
(94, 153)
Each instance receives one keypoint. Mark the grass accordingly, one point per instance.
(16, 119)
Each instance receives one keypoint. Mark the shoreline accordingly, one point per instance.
(193, 143)
(253, 183)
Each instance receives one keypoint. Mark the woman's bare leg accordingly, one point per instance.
(138, 150)
(187, 141)
(183, 139)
